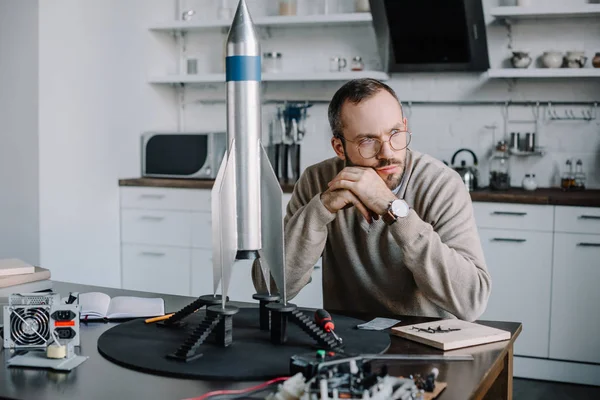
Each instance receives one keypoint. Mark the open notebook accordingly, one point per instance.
(96, 305)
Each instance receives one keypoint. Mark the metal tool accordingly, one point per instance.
(324, 320)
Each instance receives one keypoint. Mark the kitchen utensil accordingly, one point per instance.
(552, 59)
(575, 59)
(596, 60)
(500, 167)
(468, 174)
(520, 59)
(529, 182)
(337, 64)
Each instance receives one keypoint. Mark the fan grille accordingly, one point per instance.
(28, 324)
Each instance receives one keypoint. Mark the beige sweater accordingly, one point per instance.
(430, 263)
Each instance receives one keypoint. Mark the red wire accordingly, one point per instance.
(239, 391)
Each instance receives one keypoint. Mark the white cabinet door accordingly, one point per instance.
(202, 272)
(311, 295)
(156, 227)
(520, 264)
(575, 327)
(202, 230)
(159, 269)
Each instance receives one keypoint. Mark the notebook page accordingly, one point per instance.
(134, 307)
(94, 305)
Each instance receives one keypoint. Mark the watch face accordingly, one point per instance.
(400, 208)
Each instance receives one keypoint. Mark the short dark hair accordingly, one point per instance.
(355, 91)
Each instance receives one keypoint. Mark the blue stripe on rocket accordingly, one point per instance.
(242, 68)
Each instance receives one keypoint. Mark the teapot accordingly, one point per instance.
(468, 174)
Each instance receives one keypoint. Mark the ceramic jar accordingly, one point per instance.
(552, 59)
(576, 59)
(362, 6)
(520, 59)
(529, 182)
(596, 61)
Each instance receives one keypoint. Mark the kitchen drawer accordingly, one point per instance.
(577, 219)
(201, 230)
(150, 198)
(167, 228)
(202, 272)
(157, 269)
(514, 216)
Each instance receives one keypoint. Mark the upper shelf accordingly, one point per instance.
(544, 73)
(566, 11)
(273, 77)
(277, 20)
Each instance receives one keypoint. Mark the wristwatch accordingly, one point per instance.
(396, 209)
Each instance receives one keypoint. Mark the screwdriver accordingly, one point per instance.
(323, 319)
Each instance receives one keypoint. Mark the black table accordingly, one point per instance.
(489, 375)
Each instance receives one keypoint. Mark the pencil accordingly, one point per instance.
(161, 318)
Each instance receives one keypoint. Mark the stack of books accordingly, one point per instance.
(17, 276)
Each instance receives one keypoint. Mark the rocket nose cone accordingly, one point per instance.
(242, 39)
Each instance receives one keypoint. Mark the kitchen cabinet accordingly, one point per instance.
(166, 246)
(520, 264)
(575, 295)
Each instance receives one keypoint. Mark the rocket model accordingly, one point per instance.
(246, 199)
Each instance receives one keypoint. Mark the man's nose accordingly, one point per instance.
(386, 151)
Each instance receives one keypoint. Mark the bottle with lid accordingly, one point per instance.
(357, 64)
(579, 177)
(500, 167)
(529, 182)
(567, 181)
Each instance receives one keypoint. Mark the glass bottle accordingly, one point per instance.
(567, 181)
(500, 167)
(357, 64)
(287, 7)
(579, 176)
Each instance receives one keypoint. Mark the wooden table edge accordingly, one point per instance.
(494, 372)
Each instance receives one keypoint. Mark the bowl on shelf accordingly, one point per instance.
(552, 59)
(576, 59)
(520, 59)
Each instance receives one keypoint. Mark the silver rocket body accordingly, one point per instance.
(246, 197)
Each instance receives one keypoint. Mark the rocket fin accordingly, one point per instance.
(273, 251)
(224, 229)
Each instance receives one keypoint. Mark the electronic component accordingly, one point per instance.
(32, 319)
(334, 375)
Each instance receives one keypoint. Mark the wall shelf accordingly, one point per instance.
(544, 73)
(272, 77)
(270, 21)
(566, 11)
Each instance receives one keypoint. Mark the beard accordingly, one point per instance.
(391, 180)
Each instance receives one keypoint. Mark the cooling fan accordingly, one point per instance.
(31, 318)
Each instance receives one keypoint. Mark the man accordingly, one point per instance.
(395, 227)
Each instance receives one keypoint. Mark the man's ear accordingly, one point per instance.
(338, 147)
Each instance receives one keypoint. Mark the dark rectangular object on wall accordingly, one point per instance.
(431, 35)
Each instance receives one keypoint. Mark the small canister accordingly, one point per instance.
(514, 141)
(272, 61)
(530, 142)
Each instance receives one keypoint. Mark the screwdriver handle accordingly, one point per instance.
(323, 319)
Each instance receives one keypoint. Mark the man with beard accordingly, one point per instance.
(395, 227)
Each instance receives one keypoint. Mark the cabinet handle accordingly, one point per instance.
(152, 253)
(584, 244)
(152, 218)
(589, 216)
(512, 240)
(152, 196)
(512, 213)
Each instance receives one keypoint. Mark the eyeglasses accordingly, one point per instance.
(370, 147)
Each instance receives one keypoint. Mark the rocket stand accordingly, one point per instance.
(281, 314)
(218, 320)
(176, 319)
(265, 314)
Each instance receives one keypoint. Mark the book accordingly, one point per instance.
(449, 334)
(29, 287)
(39, 274)
(14, 266)
(100, 306)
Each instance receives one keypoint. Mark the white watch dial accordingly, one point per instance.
(400, 208)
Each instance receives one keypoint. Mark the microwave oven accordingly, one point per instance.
(190, 155)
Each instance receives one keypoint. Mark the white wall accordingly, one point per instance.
(93, 104)
(19, 219)
(437, 130)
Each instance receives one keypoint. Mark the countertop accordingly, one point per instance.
(549, 196)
